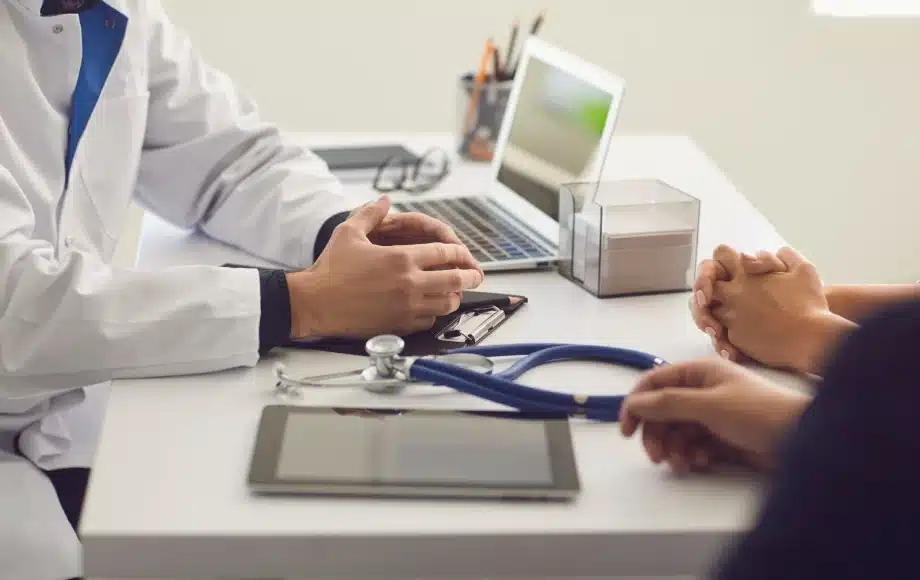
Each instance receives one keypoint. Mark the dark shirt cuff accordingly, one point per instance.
(275, 323)
(325, 233)
(59, 7)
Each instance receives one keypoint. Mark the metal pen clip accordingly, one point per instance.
(471, 327)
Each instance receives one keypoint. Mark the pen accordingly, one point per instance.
(511, 43)
(534, 29)
(496, 66)
(537, 23)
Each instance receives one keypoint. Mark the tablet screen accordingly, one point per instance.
(413, 452)
(415, 448)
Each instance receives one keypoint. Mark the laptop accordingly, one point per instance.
(556, 129)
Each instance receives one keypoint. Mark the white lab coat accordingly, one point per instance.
(179, 137)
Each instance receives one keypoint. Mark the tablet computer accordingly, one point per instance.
(364, 157)
(413, 453)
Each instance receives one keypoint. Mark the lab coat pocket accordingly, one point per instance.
(109, 158)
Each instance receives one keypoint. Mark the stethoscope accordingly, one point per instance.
(470, 370)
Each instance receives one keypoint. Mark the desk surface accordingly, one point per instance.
(168, 497)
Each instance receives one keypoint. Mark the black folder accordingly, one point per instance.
(478, 310)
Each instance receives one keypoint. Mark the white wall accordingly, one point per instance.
(816, 120)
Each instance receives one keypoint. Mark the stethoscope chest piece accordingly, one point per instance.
(389, 371)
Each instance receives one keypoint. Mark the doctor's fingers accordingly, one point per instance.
(707, 274)
(419, 223)
(441, 255)
(437, 304)
(447, 281)
(416, 324)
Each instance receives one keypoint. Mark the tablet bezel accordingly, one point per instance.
(356, 158)
(273, 423)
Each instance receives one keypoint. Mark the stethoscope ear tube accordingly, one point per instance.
(506, 392)
(424, 372)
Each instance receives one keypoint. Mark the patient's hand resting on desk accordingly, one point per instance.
(771, 308)
(697, 415)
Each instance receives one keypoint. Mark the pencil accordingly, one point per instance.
(477, 88)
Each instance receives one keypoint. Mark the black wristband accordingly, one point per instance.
(275, 323)
(325, 233)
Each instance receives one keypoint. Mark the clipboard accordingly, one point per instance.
(479, 314)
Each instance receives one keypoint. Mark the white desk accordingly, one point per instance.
(168, 497)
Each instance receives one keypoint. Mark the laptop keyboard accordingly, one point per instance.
(489, 237)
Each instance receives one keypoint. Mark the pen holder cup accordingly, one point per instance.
(628, 237)
(481, 108)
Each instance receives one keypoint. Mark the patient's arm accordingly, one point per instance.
(855, 302)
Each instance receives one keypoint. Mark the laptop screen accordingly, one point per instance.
(555, 135)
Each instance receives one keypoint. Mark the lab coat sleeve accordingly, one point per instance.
(210, 161)
(69, 320)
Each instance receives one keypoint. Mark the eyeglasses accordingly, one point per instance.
(400, 174)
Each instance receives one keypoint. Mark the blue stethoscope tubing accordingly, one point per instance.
(500, 387)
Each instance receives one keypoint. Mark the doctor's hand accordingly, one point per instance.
(781, 319)
(411, 228)
(359, 289)
(697, 415)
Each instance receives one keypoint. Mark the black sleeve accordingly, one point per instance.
(325, 233)
(845, 502)
(275, 323)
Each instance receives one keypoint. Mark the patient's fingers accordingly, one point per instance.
(728, 351)
(704, 320)
(763, 263)
(730, 259)
(707, 274)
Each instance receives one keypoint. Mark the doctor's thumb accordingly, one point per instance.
(666, 405)
(367, 217)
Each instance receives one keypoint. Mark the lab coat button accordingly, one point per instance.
(58, 28)
(68, 242)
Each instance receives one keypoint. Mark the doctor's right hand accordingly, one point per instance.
(359, 289)
(699, 414)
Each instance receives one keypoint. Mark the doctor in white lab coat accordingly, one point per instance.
(104, 101)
